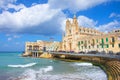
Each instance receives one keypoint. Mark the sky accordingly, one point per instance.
(31, 20)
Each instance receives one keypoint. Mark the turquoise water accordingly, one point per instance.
(15, 67)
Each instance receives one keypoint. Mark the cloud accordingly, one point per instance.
(109, 26)
(82, 21)
(86, 22)
(114, 15)
(7, 34)
(16, 7)
(74, 6)
(17, 43)
(90, 23)
(16, 36)
(4, 3)
(44, 19)
(37, 19)
(9, 39)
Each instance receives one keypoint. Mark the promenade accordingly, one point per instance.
(109, 63)
(85, 54)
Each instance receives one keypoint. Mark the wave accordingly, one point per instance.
(83, 64)
(31, 74)
(22, 66)
(47, 69)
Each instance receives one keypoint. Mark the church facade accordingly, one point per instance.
(81, 39)
(78, 39)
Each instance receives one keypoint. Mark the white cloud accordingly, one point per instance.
(16, 7)
(109, 26)
(114, 15)
(7, 34)
(86, 22)
(4, 3)
(82, 21)
(12, 37)
(9, 39)
(17, 43)
(45, 19)
(75, 5)
(90, 23)
(27, 17)
(16, 36)
(32, 19)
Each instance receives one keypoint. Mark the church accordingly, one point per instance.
(77, 39)
(81, 39)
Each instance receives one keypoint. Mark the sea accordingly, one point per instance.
(15, 67)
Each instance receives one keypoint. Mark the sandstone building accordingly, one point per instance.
(79, 39)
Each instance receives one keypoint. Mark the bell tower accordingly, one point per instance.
(75, 24)
(68, 28)
(75, 20)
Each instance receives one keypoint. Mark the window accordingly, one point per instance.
(97, 46)
(119, 45)
(107, 46)
(113, 39)
(81, 42)
(79, 45)
(89, 41)
(102, 46)
(70, 31)
(97, 40)
(82, 47)
(89, 47)
(85, 42)
(102, 40)
(106, 39)
(112, 45)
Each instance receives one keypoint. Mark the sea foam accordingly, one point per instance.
(83, 64)
(22, 66)
(31, 74)
(47, 69)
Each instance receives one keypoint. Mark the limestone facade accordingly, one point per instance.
(78, 39)
(33, 48)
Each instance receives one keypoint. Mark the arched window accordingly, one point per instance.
(106, 39)
(70, 31)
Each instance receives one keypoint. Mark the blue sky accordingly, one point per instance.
(31, 20)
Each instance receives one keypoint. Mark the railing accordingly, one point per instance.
(97, 54)
(35, 50)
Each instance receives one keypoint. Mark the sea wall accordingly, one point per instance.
(110, 65)
(46, 55)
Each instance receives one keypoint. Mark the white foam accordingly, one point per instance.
(46, 69)
(31, 74)
(22, 66)
(83, 64)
